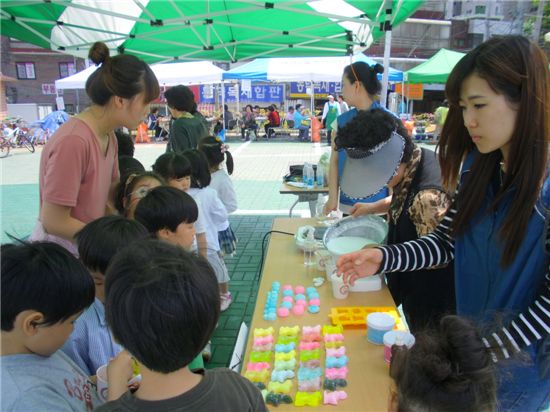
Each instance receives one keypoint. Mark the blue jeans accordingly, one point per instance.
(521, 389)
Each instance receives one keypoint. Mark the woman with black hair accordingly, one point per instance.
(378, 146)
(360, 86)
(493, 153)
(188, 124)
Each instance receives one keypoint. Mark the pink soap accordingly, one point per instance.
(288, 299)
(283, 312)
(316, 302)
(298, 310)
(287, 287)
(299, 289)
(301, 302)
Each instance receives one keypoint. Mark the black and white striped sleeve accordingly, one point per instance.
(434, 249)
(529, 326)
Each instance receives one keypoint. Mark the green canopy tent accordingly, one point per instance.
(167, 30)
(436, 69)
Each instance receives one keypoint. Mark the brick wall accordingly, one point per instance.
(46, 66)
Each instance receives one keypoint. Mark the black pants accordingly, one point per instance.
(245, 131)
(329, 136)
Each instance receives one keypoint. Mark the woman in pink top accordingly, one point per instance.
(79, 167)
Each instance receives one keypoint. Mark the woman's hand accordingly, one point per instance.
(330, 206)
(359, 264)
(361, 209)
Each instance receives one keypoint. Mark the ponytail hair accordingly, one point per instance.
(446, 370)
(367, 75)
(215, 151)
(123, 75)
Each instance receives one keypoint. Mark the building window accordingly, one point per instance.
(480, 10)
(25, 71)
(66, 69)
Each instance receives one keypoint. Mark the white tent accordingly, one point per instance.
(168, 74)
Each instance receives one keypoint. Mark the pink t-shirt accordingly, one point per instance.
(74, 172)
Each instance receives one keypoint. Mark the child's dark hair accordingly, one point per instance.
(171, 294)
(200, 172)
(181, 98)
(367, 75)
(215, 150)
(172, 165)
(128, 165)
(125, 144)
(446, 370)
(126, 187)
(44, 277)
(166, 207)
(370, 128)
(100, 239)
(123, 75)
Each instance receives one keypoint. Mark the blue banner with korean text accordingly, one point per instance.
(300, 89)
(258, 93)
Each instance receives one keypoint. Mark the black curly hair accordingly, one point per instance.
(370, 128)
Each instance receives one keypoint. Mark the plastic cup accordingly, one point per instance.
(399, 337)
(321, 258)
(102, 385)
(339, 289)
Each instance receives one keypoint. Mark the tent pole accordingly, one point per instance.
(238, 91)
(312, 102)
(223, 105)
(387, 52)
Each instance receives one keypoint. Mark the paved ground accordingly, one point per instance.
(259, 167)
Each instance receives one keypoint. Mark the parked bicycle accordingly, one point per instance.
(15, 135)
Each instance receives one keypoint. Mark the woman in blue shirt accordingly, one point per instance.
(494, 152)
(360, 86)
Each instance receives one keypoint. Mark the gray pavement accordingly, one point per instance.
(259, 168)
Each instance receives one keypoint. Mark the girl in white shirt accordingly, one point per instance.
(215, 218)
(216, 153)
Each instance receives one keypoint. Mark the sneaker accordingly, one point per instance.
(226, 300)
(207, 352)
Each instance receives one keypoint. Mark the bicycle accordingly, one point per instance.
(5, 146)
(16, 136)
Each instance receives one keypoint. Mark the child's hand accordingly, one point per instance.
(119, 372)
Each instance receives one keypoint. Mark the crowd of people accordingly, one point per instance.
(125, 266)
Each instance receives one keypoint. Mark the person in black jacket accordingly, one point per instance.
(416, 206)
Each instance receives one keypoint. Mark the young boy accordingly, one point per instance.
(44, 290)
(91, 344)
(169, 215)
(173, 296)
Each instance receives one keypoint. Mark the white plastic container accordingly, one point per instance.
(368, 284)
(378, 323)
(396, 337)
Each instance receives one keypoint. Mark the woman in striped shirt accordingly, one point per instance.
(494, 153)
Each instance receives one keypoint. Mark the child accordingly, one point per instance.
(215, 218)
(91, 344)
(176, 170)
(173, 296)
(447, 370)
(44, 290)
(132, 189)
(215, 151)
(169, 214)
